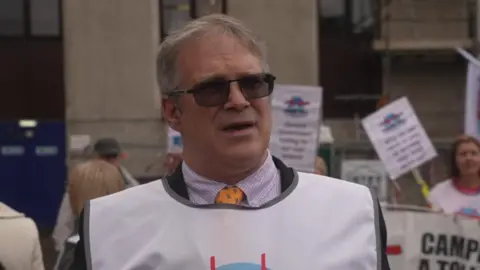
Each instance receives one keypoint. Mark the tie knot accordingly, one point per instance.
(230, 195)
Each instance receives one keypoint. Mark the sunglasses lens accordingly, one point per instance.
(210, 94)
(256, 86)
(215, 93)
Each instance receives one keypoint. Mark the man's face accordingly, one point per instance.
(235, 131)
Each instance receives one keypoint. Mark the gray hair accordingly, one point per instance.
(168, 75)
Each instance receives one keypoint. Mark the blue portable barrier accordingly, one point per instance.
(33, 168)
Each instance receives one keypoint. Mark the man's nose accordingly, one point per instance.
(236, 98)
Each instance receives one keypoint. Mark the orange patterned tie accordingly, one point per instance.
(230, 195)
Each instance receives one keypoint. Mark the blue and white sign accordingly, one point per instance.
(175, 144)
(399, 138)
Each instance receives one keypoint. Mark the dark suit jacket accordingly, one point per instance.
(177, 184)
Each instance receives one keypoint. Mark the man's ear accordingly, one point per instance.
(171, 113)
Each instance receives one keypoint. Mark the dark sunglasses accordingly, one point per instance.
(216, 91)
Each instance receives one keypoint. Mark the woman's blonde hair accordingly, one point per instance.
(90, 180)
(320, 166)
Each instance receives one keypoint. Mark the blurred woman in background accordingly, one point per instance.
(461, 192)
(19, 241)
(106, 149)
(320, 166)
(90, 180)
(87, 181)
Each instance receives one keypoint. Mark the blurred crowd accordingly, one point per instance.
(102, 174)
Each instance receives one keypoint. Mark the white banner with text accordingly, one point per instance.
(432, 241)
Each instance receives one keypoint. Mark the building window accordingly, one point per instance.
(30, 18)
(350, 70)
(363, 16)
(175, 13)
(45, 17)
(205, 7)
(11, 18)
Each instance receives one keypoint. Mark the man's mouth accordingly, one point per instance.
(238, 126)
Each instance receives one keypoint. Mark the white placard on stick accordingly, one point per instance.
(399, 138)
(367, 172)
(296, 119)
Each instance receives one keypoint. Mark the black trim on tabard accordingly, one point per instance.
(177, 183)
(378, 235)
(86, 235)
(175, 186)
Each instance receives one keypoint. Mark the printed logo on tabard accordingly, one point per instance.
(296, 106)
(472, 212)
(241, 265)
(391, 121)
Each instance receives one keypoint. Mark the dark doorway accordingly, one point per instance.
(350, 70)
(32, 87)
(31, 60)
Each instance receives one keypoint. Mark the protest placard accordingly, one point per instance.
(399, 138)
(370, 173)
(174, 144)
(296, 112)
(432, 241)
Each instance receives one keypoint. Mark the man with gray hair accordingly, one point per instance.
(231, 204)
